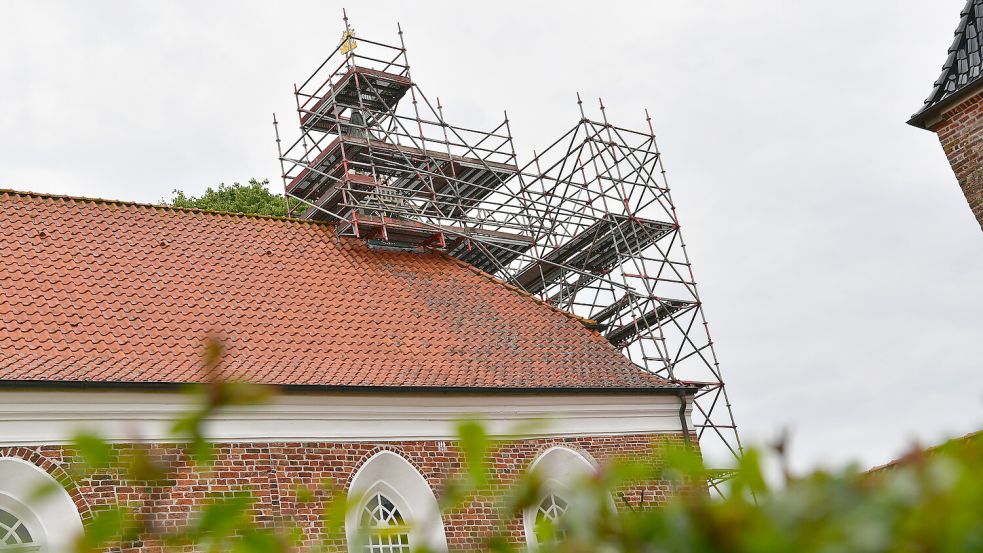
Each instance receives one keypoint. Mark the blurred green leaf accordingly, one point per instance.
(453, 494)
(105, 528)
(143, 467)
(303, 493)
(44, 491)
(260, 541)
(336, 511)
(474, 444)
(96, 453)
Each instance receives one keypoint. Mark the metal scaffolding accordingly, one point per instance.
(587, 225)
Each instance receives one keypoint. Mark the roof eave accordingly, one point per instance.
(689, 388)
(930, 116)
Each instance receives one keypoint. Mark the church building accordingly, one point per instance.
(375, 354)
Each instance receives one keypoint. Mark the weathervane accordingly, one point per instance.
(348, 41)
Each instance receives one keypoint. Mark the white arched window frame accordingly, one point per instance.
(558, 467)
(20, 531)
(392, 477)
(52, 521)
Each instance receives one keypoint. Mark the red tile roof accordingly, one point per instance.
(917, 453)
(113, 292)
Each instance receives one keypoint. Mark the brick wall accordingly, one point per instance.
(961, 135)
(274, 471)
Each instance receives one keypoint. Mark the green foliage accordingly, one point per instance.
(931, 503)
(474, 443)
(95, 452)
(107, 527)
(935, 503)
(253, 198)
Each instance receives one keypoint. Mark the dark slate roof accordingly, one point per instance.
(963, 66)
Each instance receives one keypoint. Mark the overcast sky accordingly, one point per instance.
(841, 269)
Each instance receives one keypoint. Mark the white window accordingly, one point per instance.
(15, 535)
(558, 468)
(397, 511)
(28, 524)
(550, 510)
(384, 528)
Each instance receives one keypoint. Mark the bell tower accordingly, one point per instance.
(954, 109)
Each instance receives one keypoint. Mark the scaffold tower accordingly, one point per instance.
(587, 224)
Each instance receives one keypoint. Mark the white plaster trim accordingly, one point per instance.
(50, 417)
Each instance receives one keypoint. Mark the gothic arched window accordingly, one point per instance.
(396, 509)
(551, 508)
(559, 468)
(385, 530)
(15, 534)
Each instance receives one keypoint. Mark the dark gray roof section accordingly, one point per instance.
(962, 67)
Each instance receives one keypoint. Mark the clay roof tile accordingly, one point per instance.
(124, 293)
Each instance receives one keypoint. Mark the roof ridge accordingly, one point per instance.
(162, 207)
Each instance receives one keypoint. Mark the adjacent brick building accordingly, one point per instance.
(954, 109)
(375, 354)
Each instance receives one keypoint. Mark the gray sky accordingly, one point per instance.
(839, 264)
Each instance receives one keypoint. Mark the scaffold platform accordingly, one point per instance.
(359, 88)
(666, 308)
(449, 184)
(331, 197)
(404, 232)
(594, 250)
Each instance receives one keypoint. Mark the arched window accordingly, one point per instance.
(27, 523)
(15, 535)
(397, 511)
(551, 508)
(558, 468)
(383, 524)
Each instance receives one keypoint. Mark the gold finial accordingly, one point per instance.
(348, 41)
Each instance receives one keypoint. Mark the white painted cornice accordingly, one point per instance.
(30, 417)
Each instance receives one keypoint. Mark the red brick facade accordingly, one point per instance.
(961, 133)
(274, 471)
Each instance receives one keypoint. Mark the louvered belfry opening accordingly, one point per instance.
(587, 224)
